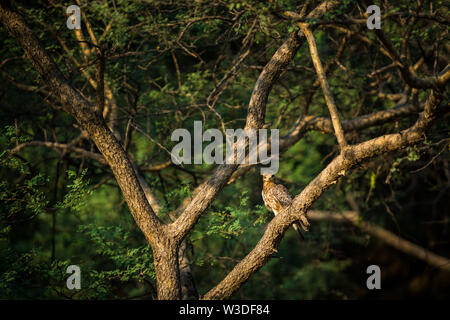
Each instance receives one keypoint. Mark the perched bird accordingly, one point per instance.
(277, 197)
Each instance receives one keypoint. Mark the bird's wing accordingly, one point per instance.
(280, 196)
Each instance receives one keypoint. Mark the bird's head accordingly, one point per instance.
(268, 177)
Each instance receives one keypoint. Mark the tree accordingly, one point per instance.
(159, 65)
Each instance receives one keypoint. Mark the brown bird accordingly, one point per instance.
(277, 197)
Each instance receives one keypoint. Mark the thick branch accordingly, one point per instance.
(363, 122)
(339, 132)
(207, 191)
(62, 146)
(351, 156)
(311, 123)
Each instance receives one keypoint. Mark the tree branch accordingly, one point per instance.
(350, 157)
(207, 191)
(92, 122)
(63, 146)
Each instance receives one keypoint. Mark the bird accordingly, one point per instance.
(277, 197)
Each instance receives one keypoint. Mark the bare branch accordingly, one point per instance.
(351, 156)
(339, 132)
(82, 111)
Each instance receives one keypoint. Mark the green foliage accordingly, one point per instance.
(23, 200)
(77, 193)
